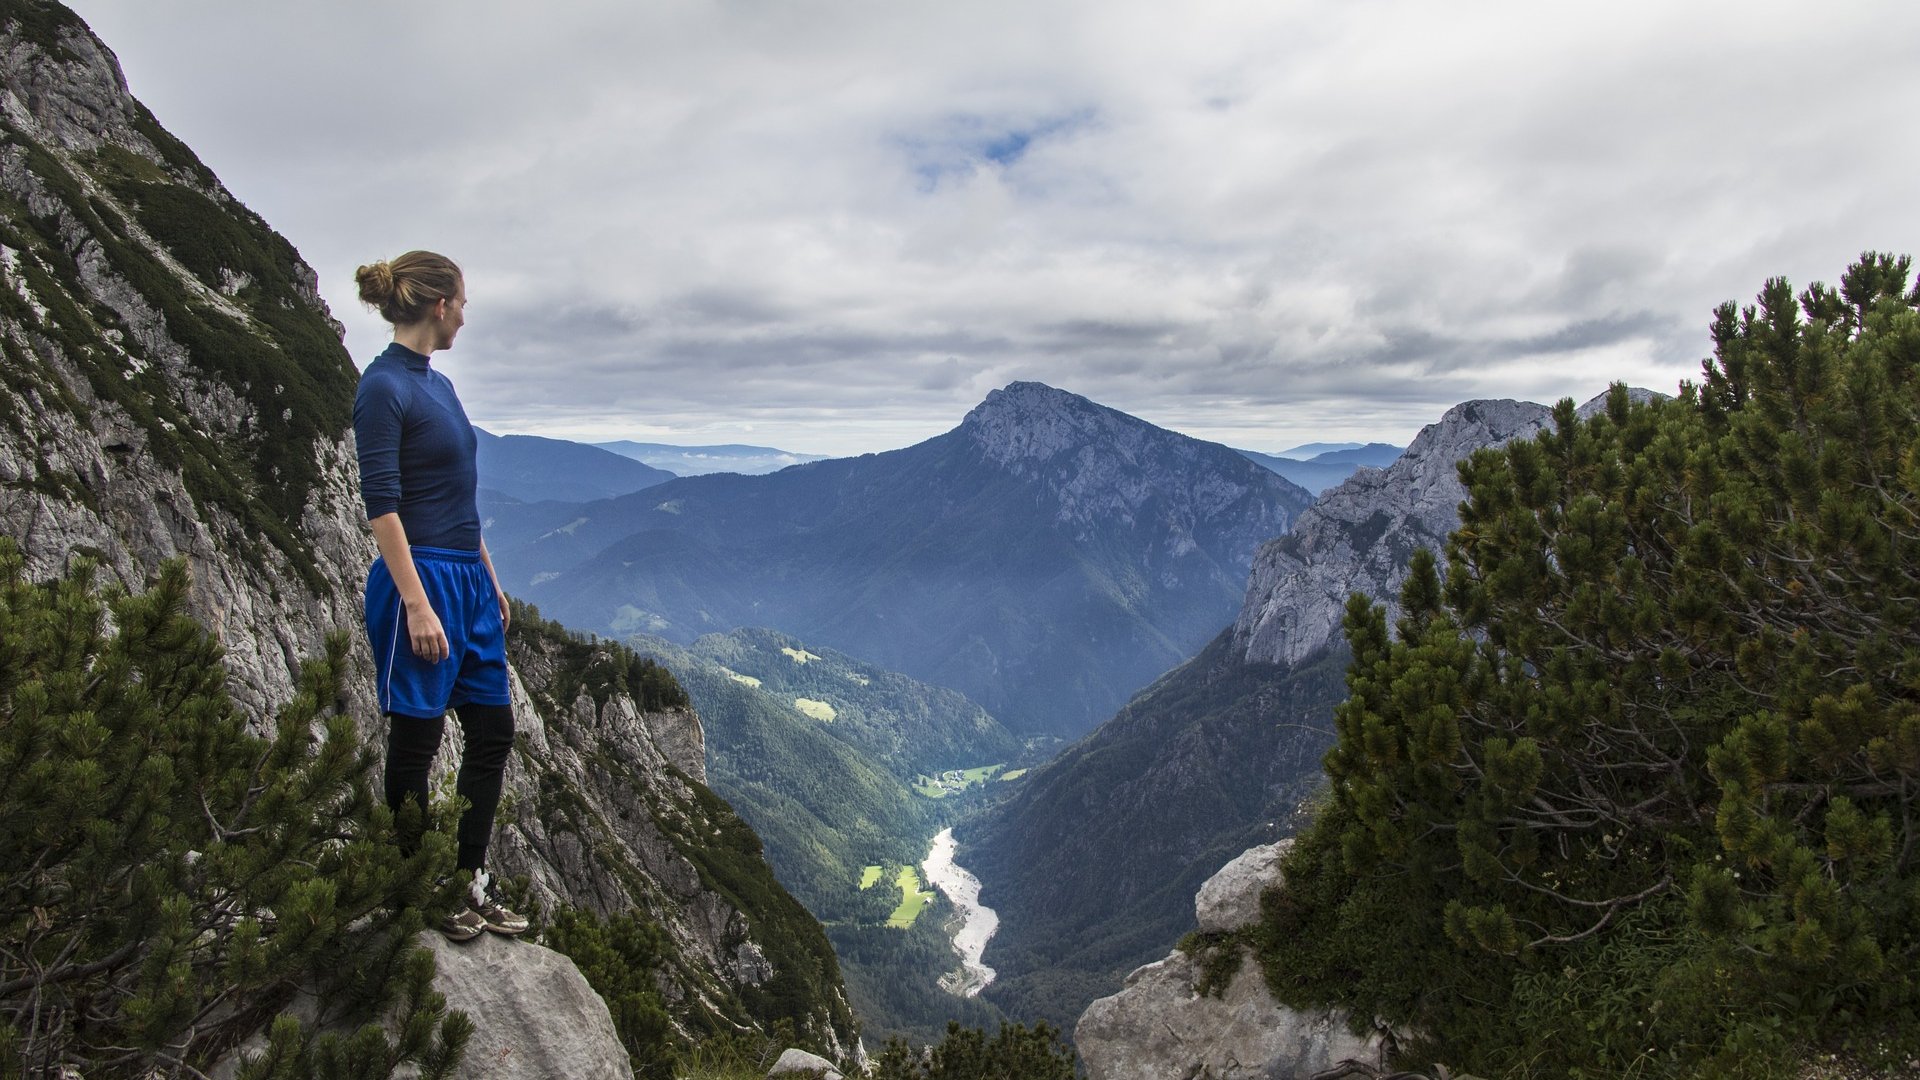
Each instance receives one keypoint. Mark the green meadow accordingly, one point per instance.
(913, 895)
(912, 899)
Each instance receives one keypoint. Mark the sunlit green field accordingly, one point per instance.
(912, 899)
(870, 876)
(819, 710)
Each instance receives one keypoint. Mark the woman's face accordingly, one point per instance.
(452, 317)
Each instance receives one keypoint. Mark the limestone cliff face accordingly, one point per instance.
(1361, 536)
(120, 440)
(175, 387)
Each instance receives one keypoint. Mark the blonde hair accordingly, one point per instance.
(403, 288)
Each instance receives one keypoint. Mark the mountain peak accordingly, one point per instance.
(1029, 399)
(1031, 421)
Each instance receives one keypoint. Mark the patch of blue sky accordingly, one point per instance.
(963, 143)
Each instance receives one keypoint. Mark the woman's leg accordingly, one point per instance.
(411, 744)
(488, 732)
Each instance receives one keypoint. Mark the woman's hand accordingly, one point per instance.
(506, 612)
(429, 638)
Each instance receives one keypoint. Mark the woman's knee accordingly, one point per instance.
(488, 733)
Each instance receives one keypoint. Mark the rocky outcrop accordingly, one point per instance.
(1230, 899)
(534, 1016)
(1361, 536)
(1164, 1025)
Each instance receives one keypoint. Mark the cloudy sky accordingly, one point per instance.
(833, 227)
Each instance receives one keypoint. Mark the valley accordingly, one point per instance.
(867, 784)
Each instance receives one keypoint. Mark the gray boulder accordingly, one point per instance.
(798, 1063)
(1161, 1025)
(1230, 899)
(534, 1016)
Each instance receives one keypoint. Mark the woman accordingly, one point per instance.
(436, 615)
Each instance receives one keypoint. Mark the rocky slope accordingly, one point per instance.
(175, 387)
(608, 810)
(1360, 536)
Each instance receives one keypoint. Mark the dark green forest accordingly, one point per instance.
(1630, 788)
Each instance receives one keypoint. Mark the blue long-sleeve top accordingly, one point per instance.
(416, 451)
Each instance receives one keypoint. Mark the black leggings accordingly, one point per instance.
(411, 744)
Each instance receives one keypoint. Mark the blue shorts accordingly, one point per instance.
(462, 594)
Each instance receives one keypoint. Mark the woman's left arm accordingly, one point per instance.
(506, 615)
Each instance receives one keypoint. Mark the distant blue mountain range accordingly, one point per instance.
(1328, 468)
(702, 460)
(1309, 451)
(528, 468)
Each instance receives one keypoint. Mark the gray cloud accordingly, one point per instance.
(834, 226)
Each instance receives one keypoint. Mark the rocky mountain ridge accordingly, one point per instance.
(1104, 466)
(1359, 536)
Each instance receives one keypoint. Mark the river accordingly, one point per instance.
(977, 923)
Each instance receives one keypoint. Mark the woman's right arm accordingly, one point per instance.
(423, 624)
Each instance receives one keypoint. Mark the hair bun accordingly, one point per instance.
(405, 288)
(376, 283)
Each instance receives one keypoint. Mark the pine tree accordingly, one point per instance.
(1634, 786)
(1015, 1050)
(168, 880)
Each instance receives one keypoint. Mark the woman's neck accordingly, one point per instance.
(421, 338)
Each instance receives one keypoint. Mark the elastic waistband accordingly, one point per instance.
(446, 554)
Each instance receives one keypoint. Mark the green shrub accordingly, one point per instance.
(619, 956)
(168, 879)
(1633, 790)
(1015, 1051)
